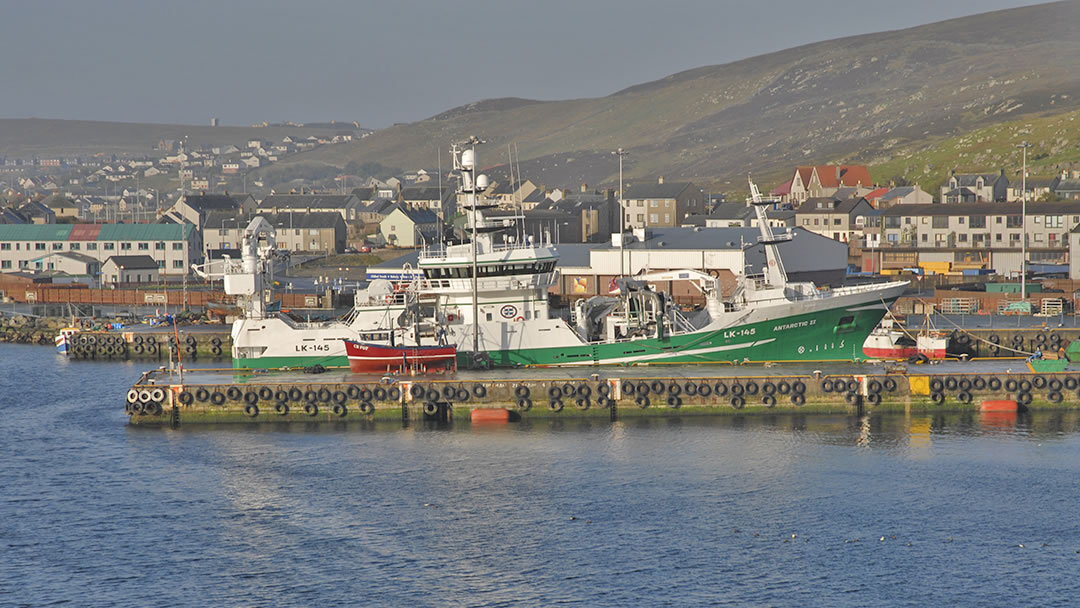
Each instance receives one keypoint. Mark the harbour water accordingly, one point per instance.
(766, 510)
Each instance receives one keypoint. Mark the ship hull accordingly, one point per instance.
(376, 358)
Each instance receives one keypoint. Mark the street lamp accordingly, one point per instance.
(622, 213)
(1024, 145)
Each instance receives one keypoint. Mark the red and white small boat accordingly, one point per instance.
(365, 357)
(888, 341)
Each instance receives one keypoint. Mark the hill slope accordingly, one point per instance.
(856, 98)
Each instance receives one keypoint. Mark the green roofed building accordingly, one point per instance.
(173, 246)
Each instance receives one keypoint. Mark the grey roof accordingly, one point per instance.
(364, 192)
(306, 201)
(78, 257)
(424, 193)
(641, 190)
(210, 202)
(731, 211)
(960, 191)
(1068, 185)
(829, 205)
(314, 219)
(957, 209)
(897, 192)
(970, 179)
(421, 216)
(134, 262)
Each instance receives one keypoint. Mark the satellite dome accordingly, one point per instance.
(468, 159)
(482, 182)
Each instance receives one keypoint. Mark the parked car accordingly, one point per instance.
(365, 249)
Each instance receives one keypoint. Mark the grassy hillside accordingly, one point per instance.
(859, 98)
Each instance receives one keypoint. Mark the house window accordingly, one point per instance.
(161, 264)
(178, 246)
(5, 264)
(817, 221)
(393, 228)
(960, 220)
(963, 237)
(109, 246)
(653, 204)
(1038, 237)
(806, 221)
(641, 218)
(654, 218)
(144, 246)
(1014, 221)
(159, 246)
(39, 246)
(5, 246)
(1054, 221)
(836, 221)
(125, 246)
(91, 246)
(997, 237)
(941, 221)
(178, 264)
(894, 222)
(997, 220)
(75, 246)
(667, 218)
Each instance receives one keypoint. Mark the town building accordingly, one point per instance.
(121, 269)
(661, 204)
(173, 247)
(409, 228)
(830, 217)
(824, 181)
(975, 188)
(320, 231)
(347, 205)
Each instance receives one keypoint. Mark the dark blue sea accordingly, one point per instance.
(779, 510)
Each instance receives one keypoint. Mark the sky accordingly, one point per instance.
(387, 61)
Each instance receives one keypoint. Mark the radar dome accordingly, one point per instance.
(482, 182)
(468, 159)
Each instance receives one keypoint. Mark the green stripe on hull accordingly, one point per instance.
(274, 362)
(816, 336)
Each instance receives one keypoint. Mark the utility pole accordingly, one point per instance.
(622, 214)
(1024, 145)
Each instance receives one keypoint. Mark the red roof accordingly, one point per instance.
(835, 176)
(782, 189)
(876, 193)
(84, 232)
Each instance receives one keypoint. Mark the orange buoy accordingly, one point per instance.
(496, 414)
(998, 405)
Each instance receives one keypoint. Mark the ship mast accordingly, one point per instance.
(775, 275)
(465, 162)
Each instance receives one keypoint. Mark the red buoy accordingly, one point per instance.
(998, 405)
(496, 414)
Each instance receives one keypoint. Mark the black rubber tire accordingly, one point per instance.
(768, 389)
(1038, 382)
(737, 402)
(324, 395)
(379, 394)
(704, 390)
(783, 387)
(449, 392)
(462, 395)
(311, 408)
(798, 387)
(890, 385)
(353, 391)
(979, 383)
(554, 392)
(674, 389)
(603, 389)
(873, 398)
(583, 390)
(826, 386)
(432, 394)
(720, 389)
(215, 351)
(556, 405)
(233, 393)
(628, 388)
(202, 395)
(642, 401)
(339, 397)
(185, 398)
(340, 410)
(737, 390)
(1017, 339)
(217, 398)
(367, 407)
(852, 386)
(431, 408)
(798, 399)
(751, 388)
(266, 393)
(874, 386)
(1055, 384)
(366, 394)
(643, 389)
(394, 394)
(524, 404)
(295, 394)
(139, 349)
(1023, 398)
(582, 403)
(251, 410)
(994, 384)
(216, 341)
(281, 408)
(851, 398)
(658, 387)
(1054, 396)
(417, 391)
(690, 389)
(568, 389)
(768, 400)
(1040, 338)
(964, 397)
(994, 339)
(522, 392)
(1025, 386)
(937, 397)
(251, 397)
(1071, 383)
(603, 402)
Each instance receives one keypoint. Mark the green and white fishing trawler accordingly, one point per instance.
(489, 297)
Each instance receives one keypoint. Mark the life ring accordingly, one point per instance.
(388, 299)
(798, 399)
(555, 405)
(281, 408)
(340, 410)
(524, 404)
(311, 409)
(185, 398)
(431, 408)
(769, 400)
(673, 401)
(251, 410)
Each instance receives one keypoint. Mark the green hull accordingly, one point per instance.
(830, 335)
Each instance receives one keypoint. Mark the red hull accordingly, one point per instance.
(365, 357)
